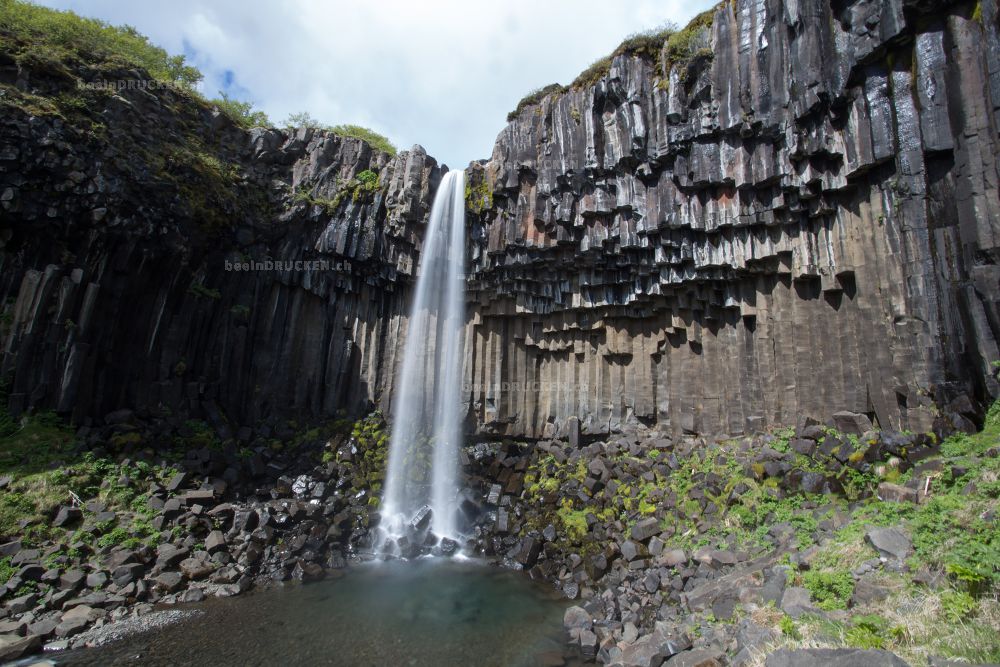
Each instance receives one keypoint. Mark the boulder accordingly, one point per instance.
(215, 542)
(14, 647)
(645, 529)
(577, 617)
(67, 516)
(894, 493)
(168, 582)
(890, 543)
(126, 574)
(796, 601)
(852, 423)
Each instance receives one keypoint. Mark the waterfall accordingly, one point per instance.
(421, 481)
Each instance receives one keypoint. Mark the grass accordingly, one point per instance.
(371, 137)
(535, 97)
(61, 35)
(680, 45)
(54, 41)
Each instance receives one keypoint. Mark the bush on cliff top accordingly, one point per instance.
(48, 38)
(533, 98)
(377, 141)
(68, 33)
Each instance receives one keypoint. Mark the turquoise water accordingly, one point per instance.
(430, 612)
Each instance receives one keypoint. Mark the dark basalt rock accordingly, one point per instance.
(786, 224)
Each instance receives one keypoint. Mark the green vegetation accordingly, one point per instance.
(535, 97)
(478, 197)
(57, 36)
(359, 189)
(593, 74)
(372, 138)
(241, 113)
(680, 45)
(199, 290)
(49, 40)
(831, 590)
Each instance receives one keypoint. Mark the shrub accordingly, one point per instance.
(680, 44)
(788, 628)
(58, 32)
(831, 590)
(957, 605)
(372, 138)
(241, 113)
(590, 76)
(871, 632)
(647, 43)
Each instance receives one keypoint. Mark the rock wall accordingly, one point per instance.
(798, 216)
(122, 231)
(801, 216)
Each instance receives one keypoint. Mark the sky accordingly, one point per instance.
(439, 73)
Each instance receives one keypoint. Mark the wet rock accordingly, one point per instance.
(528, 552)
(577, 617)
(12, 648)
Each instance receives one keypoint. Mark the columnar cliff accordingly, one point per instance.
(140, 241)
(799, 216)
(796, 215)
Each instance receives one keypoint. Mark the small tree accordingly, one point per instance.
(241, 113)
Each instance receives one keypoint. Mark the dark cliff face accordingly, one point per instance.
(801, 217)
(123, 227)
(798, 218)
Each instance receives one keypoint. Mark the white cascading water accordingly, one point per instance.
(426, 420)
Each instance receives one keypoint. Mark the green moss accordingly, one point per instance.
(574, 521)
(977, 12)
(199, 290)
(478, 197)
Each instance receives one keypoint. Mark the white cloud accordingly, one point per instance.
(441, 73)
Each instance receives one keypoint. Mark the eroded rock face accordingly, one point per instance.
(788, 224)
(124, 261)
(799, 219)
